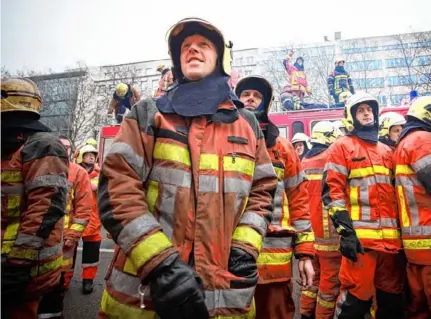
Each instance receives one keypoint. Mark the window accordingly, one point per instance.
(397, 98)
(298, 127)
(249, 60)
(284, 131)
(364, 65)
(382, 99)
(369, 83)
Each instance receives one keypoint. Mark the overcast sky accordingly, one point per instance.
(42, 34)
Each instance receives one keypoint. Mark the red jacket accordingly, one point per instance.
(94, 226)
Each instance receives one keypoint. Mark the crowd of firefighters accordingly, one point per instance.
(207, 203)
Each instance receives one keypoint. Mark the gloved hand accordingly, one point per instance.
(242, 264)
(14, 281)
(177, 291)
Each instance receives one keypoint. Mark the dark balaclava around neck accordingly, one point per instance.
(366, 133)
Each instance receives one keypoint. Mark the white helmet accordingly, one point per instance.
(324, 132)
(389, 119)
(301, 137)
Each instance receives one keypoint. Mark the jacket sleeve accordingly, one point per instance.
(421, 163)
(82, 206)
(122, 200)
(45, 172)
(331, 84)
(112, 106)
(295, 184)
(253, 225)
(350, 82)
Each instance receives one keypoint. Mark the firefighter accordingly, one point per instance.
(91, 237)
(123, 99)
(34, 170)
(320, 300)
(166, 79)
(301, 143)
(297, 76)
(339, 81)
(290, 229)
(186, 192)
(391, 125)
(78, 213)
(357, 190)
(412, 160)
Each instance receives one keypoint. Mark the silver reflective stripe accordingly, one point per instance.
(336, 203)
(421, 163)
(135, 229)
(68, 253)
(341, 299)
(208, 184)
(236, 185)
(412, 205)
(301, 225)
(277, 242)
(370, 180)
(294, 181)
(389, 222)
(277, 204)
(327, 297)
(336, 168)
(49, 315)
(229, 298)
(90, 265)
(417, 231)
(12, 190)
(327, 241)
(254, 220)
(364, 203)
(171, 176)
(78, 221)
(130, 156)
(263, 171)
(167, 208)
(126, 284)
(30, 241)
(374, 224)
(312, 171)
(48, 180)
(48, 252)
(407, 181)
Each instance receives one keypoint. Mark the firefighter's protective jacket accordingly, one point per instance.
(327, 242)
(131, 98)
(358, 178)
(339, 81)
(290, 227)
(297, 78)
(198, 186)
(33, 190)
(165, 80)
(94, 225)
(412, 160)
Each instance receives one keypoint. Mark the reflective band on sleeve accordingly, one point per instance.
(254, 220)
(248, 235)
(279, 172)
(130, 156)
(171, 152)
(274, 258)
(295, 180)
(263, 171)
(151, 246)
(77, 227)
(417, 244)
(336, 168)
(209, 161)
(367, 171)
(152, 194)
(79, 221)
(47, 267)
(301, 225)
(23, 253)
(422, 163)
(304, 237)
(48, 181)
(238, 164)
(30, 241)
(95, 181)
(403, 169)
(11, 176)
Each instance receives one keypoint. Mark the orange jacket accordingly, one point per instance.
(94, 225)
(290, 226)
(202, 186)
(327, 242)
(358, 178)
(34, 189)
(412, 160)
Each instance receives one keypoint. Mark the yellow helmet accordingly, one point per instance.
(355, 100)
(19, 94)
(86, 149)
(344, 96)
(190, 26)
(421, 109)
(121, 89)
(324, 132)
(389, 119)
(92, 142)
(301, 137)
(260, 84)
(161, 67)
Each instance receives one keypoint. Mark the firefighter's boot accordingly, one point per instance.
(87, 286)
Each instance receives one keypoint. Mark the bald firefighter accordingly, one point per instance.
(122, 100)
(34, 171)
(290, 230)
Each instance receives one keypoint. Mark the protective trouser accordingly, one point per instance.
(68, 274)
(90, 256)
(274, 301)
(374, 272)
(419, 292)
(22, 309)
(51, 304)
(320, 299)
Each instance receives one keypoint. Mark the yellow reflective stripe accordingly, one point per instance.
(335, 209)
(171, 152)
(11, 231)
(279, 172)
(403, 169)
(249, 315)
(209, 161)
(13, 205)
(314, 177)
(152, 245)
(95, 181)
(24, 253)
(248, 235)
(309, 294)
(326, 304)
(417, 243)
(152, 194)
(47, 267)
(286, 215)
(378, 233)
(326, 247)
(77, 227)
(238, 164)
(304, 237)
(66, 221)
(115, 309)
(367, 171)
(274, 258)
(325, 222)
(11, 176)
(67, 261)
(354, 203)
(405, 219)
(7, 246)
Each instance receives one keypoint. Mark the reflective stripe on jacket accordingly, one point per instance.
(327, 243)
(412, 159)
(33, 190)
(200, 187)
(358, 178)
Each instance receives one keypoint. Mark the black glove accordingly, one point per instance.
(350, 245)
(242, 264)
(14, 281)
(177, 291)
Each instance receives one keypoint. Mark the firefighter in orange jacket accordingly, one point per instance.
(290, 229)
(91, 237)
(78, 213)
(412, 159)
(320, 300)
(34, 168)
(166, 79)
(186, 192)
(357, 190)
